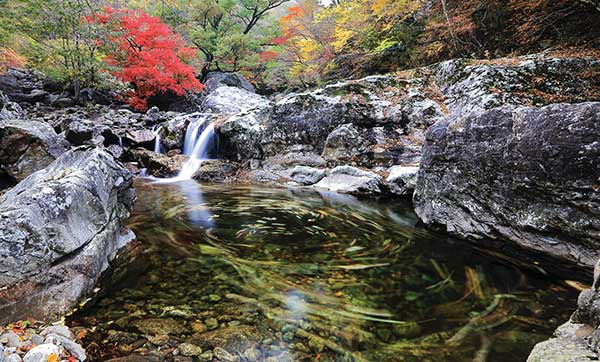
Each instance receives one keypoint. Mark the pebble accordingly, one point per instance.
(199, 327)
(73, 348)
(190, 350)
(60, 330)
(36, 339)
(41, 353)
(212, 323)
(10, 339)
(13, 358)
(206, 356)
(225, 356)
(214, 298)
(252, 354)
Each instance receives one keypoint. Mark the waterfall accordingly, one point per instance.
(200, 151)
(156, 132)
(191, 135)
(120, 141)
(200, 143)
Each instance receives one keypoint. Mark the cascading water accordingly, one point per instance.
(200, 142)
(200, 152)
(157, 147)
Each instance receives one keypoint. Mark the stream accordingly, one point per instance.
(241, 273)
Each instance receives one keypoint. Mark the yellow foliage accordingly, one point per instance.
(10, 59)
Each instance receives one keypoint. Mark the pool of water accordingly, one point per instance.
(242, 273)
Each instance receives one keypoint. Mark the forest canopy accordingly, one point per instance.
(275, 43)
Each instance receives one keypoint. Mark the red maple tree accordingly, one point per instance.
(146, 53)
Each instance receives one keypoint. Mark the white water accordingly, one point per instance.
(196, 147)
(199, 153)
(120, 141)
(157, 147)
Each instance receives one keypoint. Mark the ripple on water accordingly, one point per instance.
(256, 273)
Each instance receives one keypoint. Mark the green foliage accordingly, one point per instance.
(52, 35)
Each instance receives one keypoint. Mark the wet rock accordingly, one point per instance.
(214, 80)
(225, 356)
(212, 323)
(206, 356)
(252, 354)
(521, 175)
(236, 338)
(568, 345)
(402, 179)
(42, 353)
(188, 349)
(159, 326)
(60, 227)
(215, 171)
(157, 164)
(351, 180)
(28, 146)
(226, 99)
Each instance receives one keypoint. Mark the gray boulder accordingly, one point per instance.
(304, 175)
(402, 179)
(59, 229)
(527, 176)
(28, 146)
(214, 80)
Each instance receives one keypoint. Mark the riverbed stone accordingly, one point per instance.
(59, 229)
(10, 339)
(188, 349)
(159, 326)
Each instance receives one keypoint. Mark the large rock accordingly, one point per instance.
(214, 80)
(351, 180)
(27, 146)
(528, 176)
(59, 229)
(231, 100)
(374, 121)
(158, 165)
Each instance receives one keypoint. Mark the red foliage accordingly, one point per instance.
(147, 54)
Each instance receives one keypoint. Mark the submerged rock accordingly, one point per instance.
(522, 175)
(59, 229)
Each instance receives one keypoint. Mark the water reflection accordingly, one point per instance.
(294, 275)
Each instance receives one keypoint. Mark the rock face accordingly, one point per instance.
(226, 99)
(27, 146)
(524, 175)
(59, 228)
(214, 80)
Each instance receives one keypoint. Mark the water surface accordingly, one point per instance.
(274, 274)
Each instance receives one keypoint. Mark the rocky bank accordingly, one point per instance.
(504, 153)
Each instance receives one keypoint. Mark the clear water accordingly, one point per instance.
(295, 275)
